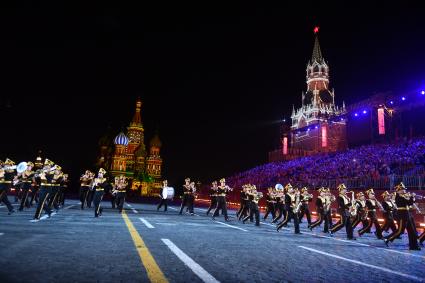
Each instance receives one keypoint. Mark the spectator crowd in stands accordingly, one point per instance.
(365, 162)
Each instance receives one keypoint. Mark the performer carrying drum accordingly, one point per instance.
(166, 194)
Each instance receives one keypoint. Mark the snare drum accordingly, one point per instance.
(168, 193)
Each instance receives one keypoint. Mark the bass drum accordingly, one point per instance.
(168, 193)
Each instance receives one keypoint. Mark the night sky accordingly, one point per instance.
(215, 80)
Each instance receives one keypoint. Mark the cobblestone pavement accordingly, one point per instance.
(74, 246)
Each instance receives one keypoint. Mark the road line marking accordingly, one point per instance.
(146, 223)
(231, 226)
(154, 272)
(129, 205)
(172, 208)
(134, 211)
(365, 245)
(196, 268)
(351, 242)
(1, 234)
(68, 207)
(365, 264)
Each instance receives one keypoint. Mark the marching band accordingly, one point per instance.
(50, 183)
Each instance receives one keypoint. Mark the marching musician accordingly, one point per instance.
(321, 208)
(114, 192)
(280, 205)
(292, 203)
(361, 215)
(164, 200)
(388, 212)
(187, 192)
(271, 203)
(46, 176)
(304, 209)
(403, 201)
(91, 192)
(330, 198)
(55, 185)
(99, 185)
(254, 197)
(213, 196)
(35, 186)
(63, 188)
(372, 205)
(7, 173)
(121, 189)
(222, 191)
(244, 209)
(27, 178)
(85, 181)
(346, 209)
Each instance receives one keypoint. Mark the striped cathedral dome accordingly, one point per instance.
(121, 139)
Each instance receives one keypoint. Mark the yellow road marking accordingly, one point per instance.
(154, 272)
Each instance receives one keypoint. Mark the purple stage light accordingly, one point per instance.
(403, 98)
(423, 92)
(391, 102)
(364, 111)
(356, 114)
(316, 127)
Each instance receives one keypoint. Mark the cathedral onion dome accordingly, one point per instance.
(121, 139)
(155, 141)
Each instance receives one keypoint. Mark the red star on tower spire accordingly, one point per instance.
(316, 30)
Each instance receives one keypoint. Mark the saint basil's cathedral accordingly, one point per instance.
(126, 154)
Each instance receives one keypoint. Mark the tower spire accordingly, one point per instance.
(317, 53)
(137, 120)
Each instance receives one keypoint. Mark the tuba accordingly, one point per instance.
(21, 167)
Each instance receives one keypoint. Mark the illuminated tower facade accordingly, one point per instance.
(318, 125)
(154, 160)
(135, 133)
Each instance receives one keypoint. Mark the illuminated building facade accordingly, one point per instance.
(319, 124)
(128, 156)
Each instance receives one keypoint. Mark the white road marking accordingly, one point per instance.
(68, 207)
(1, 234)
(365, 245)
(172, 208)
(196, 268)
(164, 223)
(129, 205)
(134, 211)
(412, 277)
(146, 223)
(231, 226)
(351, 242)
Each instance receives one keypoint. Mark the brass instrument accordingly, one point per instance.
(298, 203)
(353, 207)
